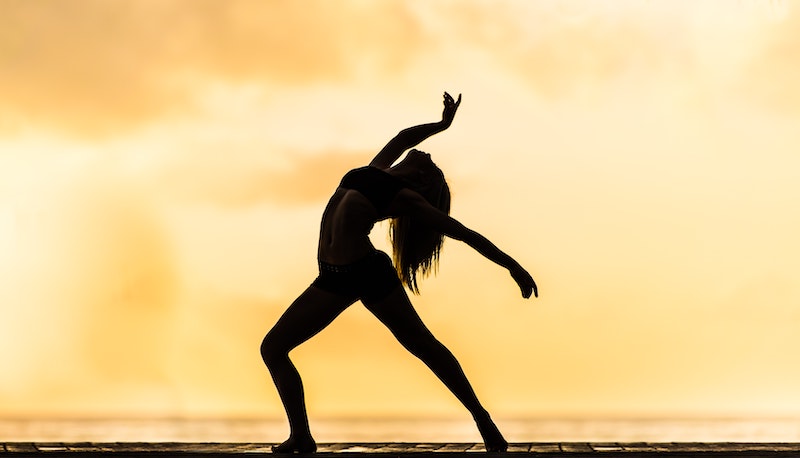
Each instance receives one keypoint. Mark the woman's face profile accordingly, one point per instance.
(421, 169)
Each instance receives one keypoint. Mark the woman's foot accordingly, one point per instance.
(492, 439)
(296, 445)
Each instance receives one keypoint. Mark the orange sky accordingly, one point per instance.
(164, 164)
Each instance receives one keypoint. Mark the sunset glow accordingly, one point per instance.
(164, 165)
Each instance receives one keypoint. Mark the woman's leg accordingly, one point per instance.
(308, 315)
(396, 312)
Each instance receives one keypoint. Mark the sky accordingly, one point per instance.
(164, 165)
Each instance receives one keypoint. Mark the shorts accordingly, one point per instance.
(370, 279)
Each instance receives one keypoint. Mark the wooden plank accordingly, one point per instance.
(545, 448)
(84, 447)
(689, 447)
(130, 446)
(370, 447)
(334, 447)
(398, 449)
(21, 447)
(51, 447)
(164, 447)
(427, 447)
(455, 447)
(258, 448)
(606, 447)
(637, 447)
(773, 447)
(519, 447)
(576, 447)
(659, 446)
(243, 448)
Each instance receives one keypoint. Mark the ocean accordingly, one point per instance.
(400, 430)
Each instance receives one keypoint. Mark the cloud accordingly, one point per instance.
(96, 67)
(560, 50)
(239, 181)
(592, 55)
(89, 276)
(771, 76)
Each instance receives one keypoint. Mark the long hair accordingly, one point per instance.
(416, 246)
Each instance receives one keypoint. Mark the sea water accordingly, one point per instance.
(400, 430)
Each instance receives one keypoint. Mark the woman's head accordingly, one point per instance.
(416, 246)
(420, 173)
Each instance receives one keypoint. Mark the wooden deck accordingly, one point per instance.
(343, 450)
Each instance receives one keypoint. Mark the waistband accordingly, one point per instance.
(356, 266)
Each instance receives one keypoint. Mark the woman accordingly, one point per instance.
(415, 195)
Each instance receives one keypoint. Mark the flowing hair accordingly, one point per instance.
(416, 246)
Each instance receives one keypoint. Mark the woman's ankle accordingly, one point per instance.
(492, 437)
(297, 444)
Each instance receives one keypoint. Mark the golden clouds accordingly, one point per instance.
(88, 281)
(606, 143)
(122, 279)
(773, 74)
(86, 66)
(586, 57)
(238, 180)
(565, 48)
(96, 67)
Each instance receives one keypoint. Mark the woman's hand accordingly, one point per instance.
(450, 107)
(525, 281)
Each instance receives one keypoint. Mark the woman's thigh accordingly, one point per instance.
(309, 314)
(397, 313)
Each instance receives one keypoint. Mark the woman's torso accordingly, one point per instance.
(351, 213)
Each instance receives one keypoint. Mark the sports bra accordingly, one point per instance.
(376, 185)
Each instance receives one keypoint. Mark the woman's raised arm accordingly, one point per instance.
(413, 136)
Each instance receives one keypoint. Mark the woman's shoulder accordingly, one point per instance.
(377, 185)
(369, 169)
(369, 175)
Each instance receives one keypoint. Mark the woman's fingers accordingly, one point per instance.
(527, 290)
(525, 282)
(448, 99)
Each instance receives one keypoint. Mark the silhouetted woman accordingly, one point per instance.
(416, 197)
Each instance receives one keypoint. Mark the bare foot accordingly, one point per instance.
(493, 440)
(296, 445)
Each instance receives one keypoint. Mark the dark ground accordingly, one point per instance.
(415, 450)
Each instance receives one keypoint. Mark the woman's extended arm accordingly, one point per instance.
(413, 136)
(488, 249)
(412, 203)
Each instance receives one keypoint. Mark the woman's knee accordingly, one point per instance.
(422, 346)
(272, 350)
